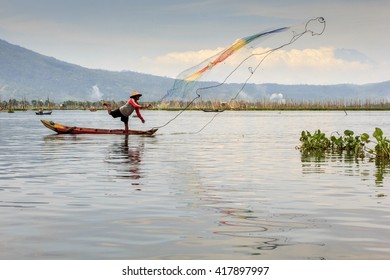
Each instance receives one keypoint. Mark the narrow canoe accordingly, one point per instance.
(213, 110)
(43, 113)
(63, 129)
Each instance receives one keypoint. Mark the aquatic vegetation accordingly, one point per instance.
(382, 144)
(316, 142)
(361, 146)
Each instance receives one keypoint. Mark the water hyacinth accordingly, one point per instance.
(358, 145)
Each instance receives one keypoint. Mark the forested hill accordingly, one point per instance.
(27, 74)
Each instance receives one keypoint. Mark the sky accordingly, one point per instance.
(165, 37)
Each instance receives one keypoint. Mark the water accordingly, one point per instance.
(237, 190)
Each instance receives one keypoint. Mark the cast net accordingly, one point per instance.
(225, 75)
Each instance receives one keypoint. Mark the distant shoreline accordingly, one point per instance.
(215, 111)
(209, 106)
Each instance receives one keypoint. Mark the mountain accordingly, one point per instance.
(27, 74)
(347, 92)
(24, 73)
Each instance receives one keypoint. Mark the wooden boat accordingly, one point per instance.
(63, 129)
(43, 113)
(213, 110)
(41, 110)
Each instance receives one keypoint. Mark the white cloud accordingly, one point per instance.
(289, 62)
(187, 58)
(322, 58)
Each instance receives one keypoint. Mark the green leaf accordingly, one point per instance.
(348, 132)
(365, 137)
(378, 133)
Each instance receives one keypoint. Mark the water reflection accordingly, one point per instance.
(126, 157)
(257, 235)
(252, 228)
(382, 169)
(346, 164)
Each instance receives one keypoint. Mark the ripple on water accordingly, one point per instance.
(238, 190)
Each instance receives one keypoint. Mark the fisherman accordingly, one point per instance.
(126, 110)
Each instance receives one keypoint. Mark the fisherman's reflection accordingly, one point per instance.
(134, 154)
(128, 157)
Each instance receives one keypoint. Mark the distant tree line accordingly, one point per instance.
(265, 104)
(37, 104)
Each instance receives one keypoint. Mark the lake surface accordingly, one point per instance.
(237, 190)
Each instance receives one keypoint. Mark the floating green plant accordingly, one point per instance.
(359, 145)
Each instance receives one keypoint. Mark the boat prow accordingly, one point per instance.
(63, 129)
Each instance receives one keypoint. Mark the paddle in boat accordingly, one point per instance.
(63, 129)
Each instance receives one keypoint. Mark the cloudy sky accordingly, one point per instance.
(164, 37)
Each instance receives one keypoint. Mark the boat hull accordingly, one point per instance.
(43, 113)
(213, 111)
(63, 129)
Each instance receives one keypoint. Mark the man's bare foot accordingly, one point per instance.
(108, 107)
